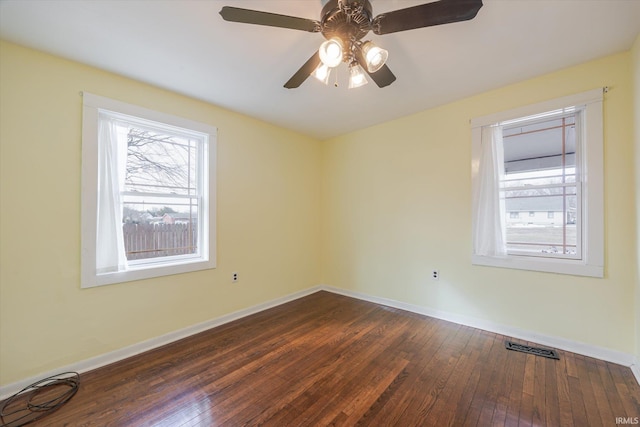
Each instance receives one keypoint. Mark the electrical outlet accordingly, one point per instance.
(435, 274)
(234, 277)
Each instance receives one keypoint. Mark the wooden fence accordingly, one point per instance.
(142, 241)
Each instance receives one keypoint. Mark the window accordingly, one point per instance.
(546, 160)
(148, 193)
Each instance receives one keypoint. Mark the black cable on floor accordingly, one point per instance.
(27, 409)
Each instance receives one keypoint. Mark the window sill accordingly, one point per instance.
(559, 266)
(148, 271)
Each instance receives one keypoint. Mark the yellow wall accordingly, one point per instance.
(635, 72)
(397, 204)
(268, 220)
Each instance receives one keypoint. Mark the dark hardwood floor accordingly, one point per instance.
(327, 359)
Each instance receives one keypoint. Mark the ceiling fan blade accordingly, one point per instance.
(383, 77)
(247, 16)
(301, 75)
(426, 15)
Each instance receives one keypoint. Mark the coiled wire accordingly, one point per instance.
(27, 409)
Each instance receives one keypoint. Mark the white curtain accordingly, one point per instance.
(489, 220)
(112, 151)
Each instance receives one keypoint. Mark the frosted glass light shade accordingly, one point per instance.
(356, 76)
(331, 52)
(322, 73)
(374, 56)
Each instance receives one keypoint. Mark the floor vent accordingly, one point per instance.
(544, 352)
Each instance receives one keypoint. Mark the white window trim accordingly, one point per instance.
(92, 104)
(592, 262)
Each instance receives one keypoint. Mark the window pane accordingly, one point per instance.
(547, 227)
(546, 145)
(164, 222)
(158, 227)
(160, 163)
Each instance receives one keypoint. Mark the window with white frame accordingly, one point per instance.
(148, 198)
(537, 175)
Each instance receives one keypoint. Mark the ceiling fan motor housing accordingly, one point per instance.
(350, 20)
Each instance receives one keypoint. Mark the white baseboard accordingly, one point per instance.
(150, 344)
(132, 350)
(546, 340)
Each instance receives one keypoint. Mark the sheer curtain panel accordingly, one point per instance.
(110, 252)
(489, 221)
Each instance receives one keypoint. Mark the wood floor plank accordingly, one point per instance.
(539, 392)
(602, 401)
(578, 409)
(328, 359)
(464, 413)
(632, 405)
(526, 414)
(455, 386)
(564, 397)
(591, 406)
(495, 383)
(515, 389)
(552, 399)
(503, 392)
(610, 390)
(480, 402)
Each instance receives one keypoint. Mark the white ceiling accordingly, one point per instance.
(185, 46)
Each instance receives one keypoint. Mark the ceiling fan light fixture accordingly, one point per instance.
(322, 73)
(331, 52)
(357, 77)
(374, 56)
(345, 23)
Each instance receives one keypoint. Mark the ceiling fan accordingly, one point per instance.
(344, 23)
